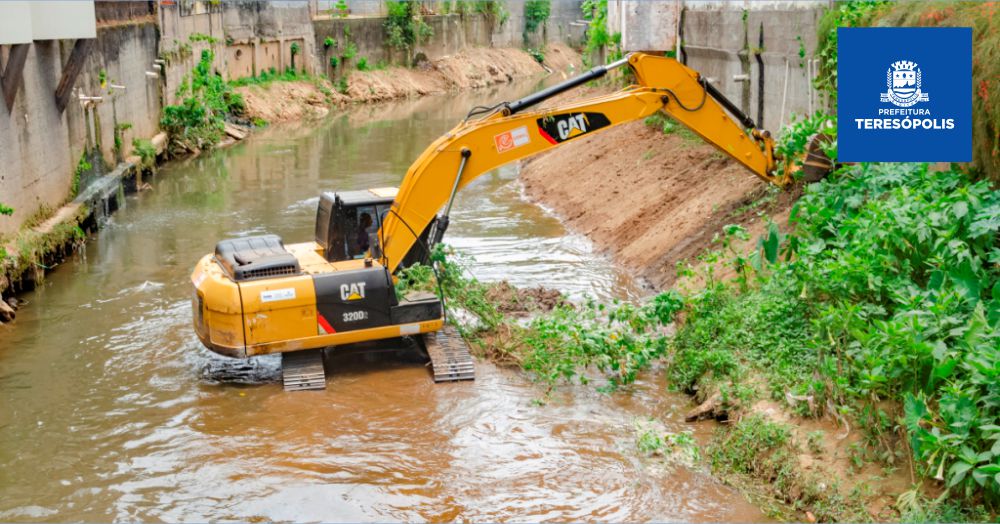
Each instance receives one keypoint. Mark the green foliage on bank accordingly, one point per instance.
(599, 39)
(404, 27)
(888, 289)
(616, 339)
(536, 13)
(198, 122)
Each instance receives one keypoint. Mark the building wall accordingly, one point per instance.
(40, 147)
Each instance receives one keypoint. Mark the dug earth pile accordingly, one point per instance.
(649, 199)
(470, 69)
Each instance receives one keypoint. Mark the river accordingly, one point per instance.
(106, 411)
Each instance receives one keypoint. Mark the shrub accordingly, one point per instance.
(536, 12)
(403, 26)
(199, 120)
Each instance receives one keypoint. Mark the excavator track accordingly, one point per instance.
(450, 357)
(303, 370)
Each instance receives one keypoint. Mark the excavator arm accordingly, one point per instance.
(511, 132)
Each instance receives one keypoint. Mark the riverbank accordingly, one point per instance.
(55, 233)
(818, 344)
(282, 101)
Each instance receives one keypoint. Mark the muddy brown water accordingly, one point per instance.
(111, 410)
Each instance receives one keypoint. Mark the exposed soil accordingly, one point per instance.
(669, 195)
(472, 68)
(522, 302)
(288, 101)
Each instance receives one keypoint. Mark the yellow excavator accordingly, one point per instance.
(256, 295)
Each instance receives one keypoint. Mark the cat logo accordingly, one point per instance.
(355, 291)
(560, 128)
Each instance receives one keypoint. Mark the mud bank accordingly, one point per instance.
(470, 69)
(669, 193)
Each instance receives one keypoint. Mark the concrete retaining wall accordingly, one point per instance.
(452, 33)
(724, 39)
(40, 147)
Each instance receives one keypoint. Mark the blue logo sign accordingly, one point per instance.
(904, 94)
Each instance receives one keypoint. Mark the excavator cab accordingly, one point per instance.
(347, 222)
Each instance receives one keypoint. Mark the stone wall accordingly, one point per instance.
(40, 146)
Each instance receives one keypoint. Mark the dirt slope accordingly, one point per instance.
(472, 68)
(649, 199)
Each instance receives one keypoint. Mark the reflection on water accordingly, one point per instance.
(111, 410)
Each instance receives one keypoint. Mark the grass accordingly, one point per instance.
(270, 76)
(669, 126)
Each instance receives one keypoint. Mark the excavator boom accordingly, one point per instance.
(512, 132)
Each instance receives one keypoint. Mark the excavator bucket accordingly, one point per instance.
(815, 164)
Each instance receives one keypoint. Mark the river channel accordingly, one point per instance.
(107, 412)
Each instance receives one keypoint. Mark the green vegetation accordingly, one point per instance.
(294, 49)
(669, 126)
(329, 42)
(759, 448)
(268, 76)
(350, 50)
(845, 14)
(341, 8)
(199, 120)
(889, 288)
(494, 10)
(618, 340)
(404, 27)
(119, 128)
(82, 167)
(363, 64)
(599, 40)
(653, 440)
(5, 210)
(334, 62)
(146, 152)
(201, 37)
(536, 12)
(537, 54)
